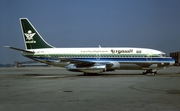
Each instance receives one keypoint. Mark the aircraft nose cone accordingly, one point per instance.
(172, 63)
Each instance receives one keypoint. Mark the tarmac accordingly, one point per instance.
(55, 89)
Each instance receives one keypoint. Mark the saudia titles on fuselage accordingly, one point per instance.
(121, 51)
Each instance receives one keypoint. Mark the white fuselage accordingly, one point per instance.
(96, 51)
(128, 57)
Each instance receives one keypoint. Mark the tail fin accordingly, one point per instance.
(32, 38)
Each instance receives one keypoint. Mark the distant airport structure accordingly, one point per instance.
(29, 64)
(176, 57)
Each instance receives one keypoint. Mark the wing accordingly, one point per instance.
(89, 66)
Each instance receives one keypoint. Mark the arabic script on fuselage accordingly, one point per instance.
(94, 51)
(121, 51)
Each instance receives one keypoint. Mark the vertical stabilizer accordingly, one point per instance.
(32, 38)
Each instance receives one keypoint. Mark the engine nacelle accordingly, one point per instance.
(116, 65)
(89, 69)
(112, 66)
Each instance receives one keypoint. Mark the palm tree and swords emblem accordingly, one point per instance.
(29, 35)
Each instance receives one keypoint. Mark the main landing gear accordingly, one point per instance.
(150, 72)
(86, 74)
(90, 74)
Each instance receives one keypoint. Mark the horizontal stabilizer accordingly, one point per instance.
(19, 49)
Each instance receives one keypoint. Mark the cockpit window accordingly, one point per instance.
(162, 55)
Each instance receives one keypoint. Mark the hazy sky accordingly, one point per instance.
(88, 23)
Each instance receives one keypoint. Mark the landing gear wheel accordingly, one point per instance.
(144, 73)
(89, 74)
(85, 74)
(150, 72)
(155, 72)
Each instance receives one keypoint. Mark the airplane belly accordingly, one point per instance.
(129, 66)
(59, 64)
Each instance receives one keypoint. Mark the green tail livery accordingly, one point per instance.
(32, 38)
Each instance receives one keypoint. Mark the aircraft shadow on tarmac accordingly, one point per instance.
(107, 74)
(39, 74)
(79, 75)
(102, 74)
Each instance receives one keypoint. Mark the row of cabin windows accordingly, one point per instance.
(98, 55)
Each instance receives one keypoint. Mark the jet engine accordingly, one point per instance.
(96, 68)
(112, 66)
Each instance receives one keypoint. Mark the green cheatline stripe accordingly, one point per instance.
(95, 55)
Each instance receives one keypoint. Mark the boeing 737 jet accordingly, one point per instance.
(91, 60)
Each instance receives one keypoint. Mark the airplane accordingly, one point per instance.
(91, 60)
